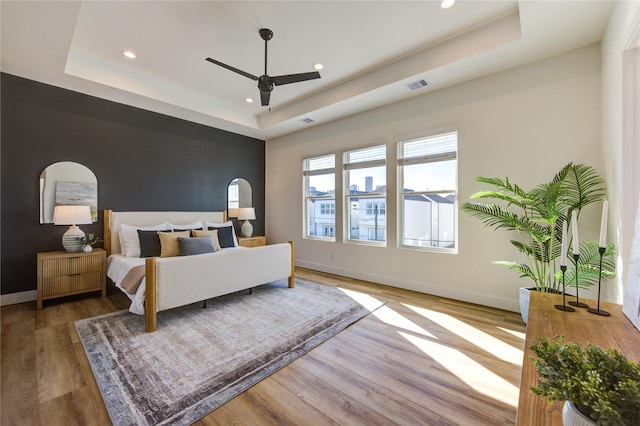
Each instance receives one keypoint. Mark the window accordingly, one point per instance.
(319, 193)
(233, 196)
(427, 180)
(376, 208)
(365, 177)
(328, 208)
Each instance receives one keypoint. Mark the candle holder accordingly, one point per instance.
(577, 303)
(564, 306)
(599, 311)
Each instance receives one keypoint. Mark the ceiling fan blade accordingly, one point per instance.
(264, 98)
(230, 68)
(294, 78)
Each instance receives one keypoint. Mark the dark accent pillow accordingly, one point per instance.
(149, 243)
(196, 245)
(225, 236)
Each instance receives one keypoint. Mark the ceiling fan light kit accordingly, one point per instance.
(266, 82)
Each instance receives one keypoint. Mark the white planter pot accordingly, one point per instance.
(525, 296)
(572, 417)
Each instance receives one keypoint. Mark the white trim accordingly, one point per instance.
(20, 297)
(630, 168)
(449, 292)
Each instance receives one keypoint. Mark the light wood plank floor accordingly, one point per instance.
(418, 360)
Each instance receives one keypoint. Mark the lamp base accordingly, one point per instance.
(246, 229)
(71, 239)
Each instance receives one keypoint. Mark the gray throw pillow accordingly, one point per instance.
(196, 245)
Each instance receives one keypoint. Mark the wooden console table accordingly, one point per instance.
(580, 327)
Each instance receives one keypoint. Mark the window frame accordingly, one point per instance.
(326, 199)
(413, 160)
(373, 197)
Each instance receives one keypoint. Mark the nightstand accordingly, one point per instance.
(61, 273)
(255, 241)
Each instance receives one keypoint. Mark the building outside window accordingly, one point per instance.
(319, 197)
(427, 180)
(365, 178)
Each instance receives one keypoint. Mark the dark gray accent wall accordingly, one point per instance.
(142, 161)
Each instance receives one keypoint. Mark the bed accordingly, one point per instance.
(176, 280)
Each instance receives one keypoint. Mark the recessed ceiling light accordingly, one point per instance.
(446, 4)
(129, 54)
(318, 67)
(248, 100)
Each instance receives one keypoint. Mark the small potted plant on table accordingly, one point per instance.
(602, 385)
(88, 240)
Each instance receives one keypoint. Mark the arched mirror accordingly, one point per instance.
(238, 195)
(67, 183)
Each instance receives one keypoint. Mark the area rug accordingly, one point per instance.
(198, 359)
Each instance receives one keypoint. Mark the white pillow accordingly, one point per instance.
(194, 225)
(222, 225)
(129, 241)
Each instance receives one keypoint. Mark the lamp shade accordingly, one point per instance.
(246, 213)
(71, 215)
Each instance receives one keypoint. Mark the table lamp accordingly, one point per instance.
(72, 215)
(246, 214)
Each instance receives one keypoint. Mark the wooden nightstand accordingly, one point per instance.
(255, 241)
(61, 273)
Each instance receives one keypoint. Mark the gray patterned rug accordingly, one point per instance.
(198, 359)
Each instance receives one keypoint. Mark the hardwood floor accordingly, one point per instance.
(419, 359)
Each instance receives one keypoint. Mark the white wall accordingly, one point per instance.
(524, 123)
(621, 159)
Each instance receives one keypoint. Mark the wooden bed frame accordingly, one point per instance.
(275, 261)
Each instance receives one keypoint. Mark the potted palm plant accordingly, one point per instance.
(602, 385)
(537, 217)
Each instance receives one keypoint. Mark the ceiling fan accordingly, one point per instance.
(265, 81)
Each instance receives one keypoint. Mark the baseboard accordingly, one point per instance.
(450, 293)
(20, 297)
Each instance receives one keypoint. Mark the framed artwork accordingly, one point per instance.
(78, 194)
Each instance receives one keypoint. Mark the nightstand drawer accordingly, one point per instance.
(71, 284)
(71, 266)
(255, 241)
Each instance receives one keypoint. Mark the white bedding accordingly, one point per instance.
(117, 269)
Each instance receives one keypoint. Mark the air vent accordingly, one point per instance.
(306, 120)
(417, 85)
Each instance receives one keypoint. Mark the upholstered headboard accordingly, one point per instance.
(113, 220)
